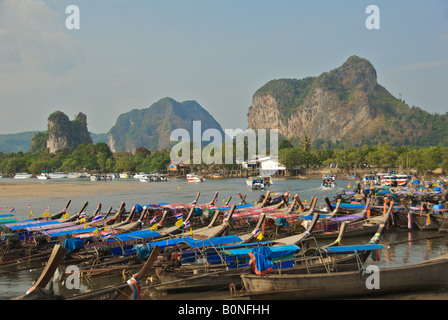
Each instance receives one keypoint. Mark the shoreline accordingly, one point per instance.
(35, 189)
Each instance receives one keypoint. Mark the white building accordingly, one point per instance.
(267, 166)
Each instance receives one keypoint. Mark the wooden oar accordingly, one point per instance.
(56, 257)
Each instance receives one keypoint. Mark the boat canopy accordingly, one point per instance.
(29, 225)
(216, 241)
(141, 234)
(346, 217)
(143, 250)
(353, 248)
(310, 217)
(352, 205)
(73, 232)
(276, 251)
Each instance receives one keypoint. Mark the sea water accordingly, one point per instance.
(178, 190)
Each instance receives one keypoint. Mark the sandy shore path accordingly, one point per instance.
(20, 190)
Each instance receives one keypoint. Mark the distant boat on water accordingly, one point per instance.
(194, 178)
(57, 175)
(43, 176)
(74, 175)
(23, 175)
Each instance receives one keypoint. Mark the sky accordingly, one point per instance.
(128, 54)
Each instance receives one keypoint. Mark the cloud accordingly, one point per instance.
(35, 47)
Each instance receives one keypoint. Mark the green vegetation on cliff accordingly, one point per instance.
(340, 97)
(152, 127)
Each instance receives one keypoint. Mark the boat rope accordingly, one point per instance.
(135, 286)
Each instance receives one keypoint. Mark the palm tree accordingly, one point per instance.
(306, 144)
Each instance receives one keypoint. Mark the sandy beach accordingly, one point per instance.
(21, 190)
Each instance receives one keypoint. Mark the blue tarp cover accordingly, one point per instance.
(72, 244)
(351, 249)
(260, 259)
(275, 251)
(141, 234)
(352, 205)
(240, 206)
(311, 216)
(216, 241)
(345, 218)
(144, 250)
(68, 232)
(26, 225)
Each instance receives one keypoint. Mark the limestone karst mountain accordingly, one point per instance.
(151, 127)
(343, 106)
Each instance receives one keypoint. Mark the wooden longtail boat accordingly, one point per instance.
(37, 291)
(222, 275)
(422, 218)
(126, 291)
(356, 225)
(129, 290)
(430, 274)
(215, 273)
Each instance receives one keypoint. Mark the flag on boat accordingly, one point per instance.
(187, 224)
(153, 220)
(179, 216)
(179, 222)
(98, 217)
(107, 234)
(258, 234)
(46, 212)
(12, 210)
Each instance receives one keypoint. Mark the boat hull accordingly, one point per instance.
(426, 275)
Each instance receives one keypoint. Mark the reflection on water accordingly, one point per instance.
(400, 252)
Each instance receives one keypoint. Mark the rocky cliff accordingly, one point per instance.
(63, 133)
(345, 105)
(151, 127)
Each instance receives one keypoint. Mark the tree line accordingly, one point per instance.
(382, 156)
(85, 158)
(99, 158)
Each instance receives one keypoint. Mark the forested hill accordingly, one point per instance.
(344, 107)
(16, 142)
(151, 127)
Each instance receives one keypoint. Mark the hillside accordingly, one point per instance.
(16, 142)
(151, 127)
(343, 107)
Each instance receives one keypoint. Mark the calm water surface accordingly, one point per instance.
(178, 190)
